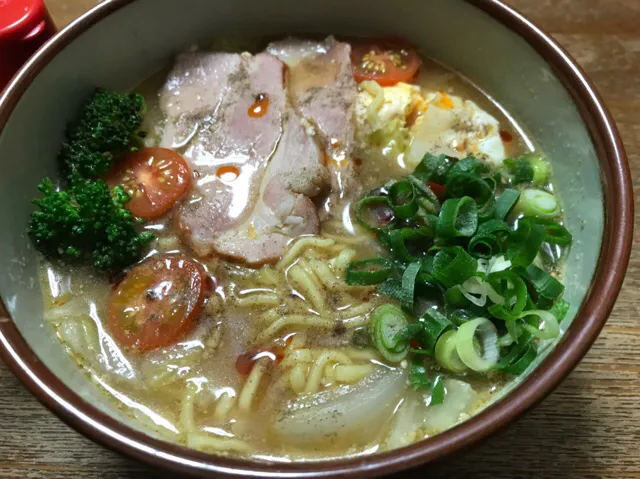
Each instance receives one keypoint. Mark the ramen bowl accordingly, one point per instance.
(121, 42)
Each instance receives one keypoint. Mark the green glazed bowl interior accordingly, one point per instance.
(122, 42)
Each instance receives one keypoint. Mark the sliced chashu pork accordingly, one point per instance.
(323, 91)
(295, 174)
(192, 92)
(231, 151)
(322, 88)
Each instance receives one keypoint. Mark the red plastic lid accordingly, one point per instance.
(18, 18)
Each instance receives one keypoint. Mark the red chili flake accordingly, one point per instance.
(415, 344)
(438, 190)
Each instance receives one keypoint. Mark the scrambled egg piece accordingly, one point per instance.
(455, 127)
(402, 119)
(381, 115)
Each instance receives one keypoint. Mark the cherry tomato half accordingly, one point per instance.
(157, 302)
(156, 178)
(385, 61)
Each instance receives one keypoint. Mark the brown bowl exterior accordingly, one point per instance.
(614, 257)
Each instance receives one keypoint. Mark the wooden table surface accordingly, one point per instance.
(588, 428)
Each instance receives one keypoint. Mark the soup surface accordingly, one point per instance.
(354, 249)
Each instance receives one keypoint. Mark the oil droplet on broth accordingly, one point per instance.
(260, 106)
(228, 173)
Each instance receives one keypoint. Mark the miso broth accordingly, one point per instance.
(279, 353)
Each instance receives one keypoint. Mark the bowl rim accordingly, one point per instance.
(590, 319)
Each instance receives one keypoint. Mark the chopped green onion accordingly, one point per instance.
(433, 168)
(512, 288)
(519, 357)
(522, 363)
(447, 354)
(555, 233)
(458, 217)
(438, 391)
(482, 332)
(484, 246)
(560, 309)
(459, 316)
(506, 202)
(467, 184)
(495, 227)
(391, 287)
(386, 322)
(541, 324)
(406, 244)
(521, 170)
(514, 329)
(487, 210)
(402, 197)
(425, 193)
(511, 362)
(418, 375)
(375, 213)
(454, 298)
(426, 330)
(369, 271)
(493, 182)
(434, 324)
(453, 266)
(469, 257)
(541, 168)
(469, 165)
(544, 284)
(538, 203)
(506, 340)
(489, 239)
(419, 381)
(409, 284)
(515, 351)
(524, 243)
(419, 352)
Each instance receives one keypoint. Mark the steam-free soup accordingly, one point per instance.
(317, 249)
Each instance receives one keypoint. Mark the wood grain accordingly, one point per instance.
(588, 428)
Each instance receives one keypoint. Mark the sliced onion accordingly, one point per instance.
(494, 264)
(494, 296)
(549, 327)
(477, 291)
(406, 422)
(497, 264)
(483, 264)
(458, 401)
(356, 413)
(484, 331)
(446, 353)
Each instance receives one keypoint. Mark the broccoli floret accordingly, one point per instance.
(88, 222)
(106, 129)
